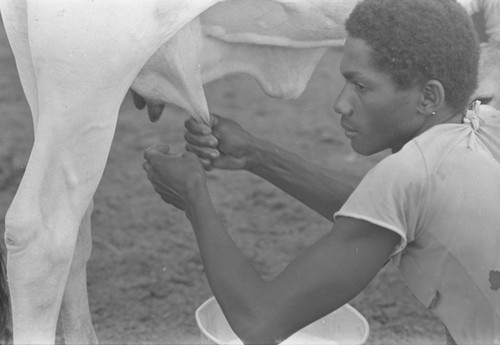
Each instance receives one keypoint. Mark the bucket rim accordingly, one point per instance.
(198, 321)
(363, 321)
(217, 341)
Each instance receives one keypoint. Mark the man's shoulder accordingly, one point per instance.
(461, 143)
(406, 165)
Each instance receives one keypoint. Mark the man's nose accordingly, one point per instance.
(342, 105)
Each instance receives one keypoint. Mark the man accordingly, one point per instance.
(410, 67)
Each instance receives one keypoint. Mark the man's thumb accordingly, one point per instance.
(156, 151)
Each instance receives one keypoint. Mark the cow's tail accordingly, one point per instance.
(4, 302)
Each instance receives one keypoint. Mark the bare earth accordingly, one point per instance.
(145, 275)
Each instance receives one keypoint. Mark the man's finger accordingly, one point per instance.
(203, 152)
(214, 119)
(207, 165)
(163, 148)
(152, 155)
(156, 151)
(146, 166)
(201, 140)
(196, 127)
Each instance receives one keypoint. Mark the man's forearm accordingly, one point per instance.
(321, 189)
(230, 274)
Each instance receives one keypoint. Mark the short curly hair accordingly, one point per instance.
(420, 40)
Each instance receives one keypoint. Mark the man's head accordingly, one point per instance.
(419, 40)
(408, 65)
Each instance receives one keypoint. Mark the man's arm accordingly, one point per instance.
(323, 190)
(321, 279)
(231, 147)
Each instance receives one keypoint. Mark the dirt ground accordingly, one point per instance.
(145, 276)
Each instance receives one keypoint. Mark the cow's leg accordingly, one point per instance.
(72, 142)
(75, 314)
(14, 17)
(73, 135)
(84, 67)
(76, 320)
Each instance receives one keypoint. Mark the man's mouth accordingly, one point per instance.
(349, 131)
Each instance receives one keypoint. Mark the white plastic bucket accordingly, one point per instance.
(345, 326)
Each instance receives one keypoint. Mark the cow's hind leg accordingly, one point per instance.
(76, 319)
(14, 16)
(72, 142)
(73, 136)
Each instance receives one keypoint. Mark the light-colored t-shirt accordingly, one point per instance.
(441, 194)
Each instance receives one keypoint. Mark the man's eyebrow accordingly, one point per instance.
(350, 74)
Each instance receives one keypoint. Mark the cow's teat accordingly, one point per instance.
(139, 101)
(155, 110)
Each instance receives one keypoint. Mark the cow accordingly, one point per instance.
(76, 61)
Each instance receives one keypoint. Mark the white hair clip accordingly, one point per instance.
(471, 115)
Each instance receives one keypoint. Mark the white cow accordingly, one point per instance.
(76, 60)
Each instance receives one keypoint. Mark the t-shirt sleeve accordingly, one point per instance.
(391, 195)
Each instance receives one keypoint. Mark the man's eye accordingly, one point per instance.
(360, 87)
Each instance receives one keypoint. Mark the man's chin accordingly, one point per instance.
(363, 149)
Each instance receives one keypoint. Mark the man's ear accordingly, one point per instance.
(432, 99)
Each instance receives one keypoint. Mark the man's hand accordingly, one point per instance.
(175, 177)
(225, 146)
